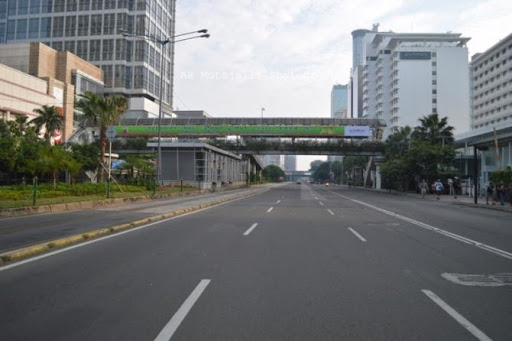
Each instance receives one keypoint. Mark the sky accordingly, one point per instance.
(285, 55)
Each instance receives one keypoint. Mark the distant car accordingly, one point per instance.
(298, 183)
(326, 184)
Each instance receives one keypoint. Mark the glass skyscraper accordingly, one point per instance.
(92, 30)
(339, 101)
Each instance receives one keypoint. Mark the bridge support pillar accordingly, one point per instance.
(378, 179)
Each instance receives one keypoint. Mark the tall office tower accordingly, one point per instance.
(355, 85)
(339, 101)
(290, 163)
(91, 29)
(276, 160)
(405, 76)
(491, 88)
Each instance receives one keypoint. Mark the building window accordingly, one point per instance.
(57, 45)
(97, 5)
(71, 6)
(110, 4)
(96, 25)
(129, 51)
(83, 25)
(33, 28)
(138, 77)
(108, 75)
(2, 33)
(140, 5)
(70, 46)
(22, 7)
(128, 77)
(95, 50)
(70, 26)
(46, 6)
(46, 27)
(81, 49)
(11, 29)
(119, 76)
(140, 27)
(109, 24)
(59, 6)
(58, 26)
(35, 6)
(21, 29)
(121, 22)
(84, 5)
(12, 8)
(120, 49)
(140, 48)
(108, 49)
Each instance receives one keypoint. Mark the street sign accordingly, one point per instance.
(111, 133)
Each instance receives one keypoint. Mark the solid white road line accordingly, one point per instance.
(321, 203)
(331, 212)
(357, 234)
(458, 317)
(173, 324)
(270, 210)
(479, 245)
(246, 233)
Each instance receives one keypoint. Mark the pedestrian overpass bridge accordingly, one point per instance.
(297, 136)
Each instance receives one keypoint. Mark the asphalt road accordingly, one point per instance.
(24, 231)
(321, 264)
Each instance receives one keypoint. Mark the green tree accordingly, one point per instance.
(322, 173)
(19, 126)
(313, 166)
(86, 155)
(434, 130)
(273, 173)
(49, 119)
(103, 112)
(54, 160)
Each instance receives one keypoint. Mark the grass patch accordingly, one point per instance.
(21, 195)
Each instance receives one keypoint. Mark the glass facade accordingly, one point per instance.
(91, 29)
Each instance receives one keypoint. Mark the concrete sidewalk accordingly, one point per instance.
(460, 200)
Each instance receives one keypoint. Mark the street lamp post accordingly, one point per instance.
(163, 43)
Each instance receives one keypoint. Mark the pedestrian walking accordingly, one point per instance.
(450, 185)
(439, 188)
(423, 188)
(488, 192)
(501, 193)
(456, 186)
(510, 193)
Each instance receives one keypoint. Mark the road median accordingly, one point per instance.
(41, 248)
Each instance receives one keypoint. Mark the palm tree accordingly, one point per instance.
(434, 130)
(102, 112)
(48, 118)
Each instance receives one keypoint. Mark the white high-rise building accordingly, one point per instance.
(491, 78)
(92, 29)
(406, 76)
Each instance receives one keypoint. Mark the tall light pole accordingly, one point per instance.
(262, 110)
(163, 42)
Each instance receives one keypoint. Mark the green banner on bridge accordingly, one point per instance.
(247, 130)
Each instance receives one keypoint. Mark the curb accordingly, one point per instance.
(37, 249)
(87, 205)
(493, 207)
